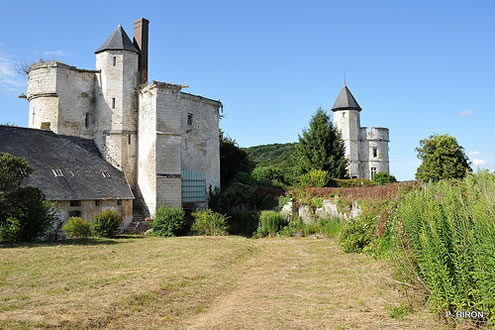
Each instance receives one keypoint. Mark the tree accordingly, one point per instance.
(232, 160)
(442, 158)
(24, 213)
(321, 147)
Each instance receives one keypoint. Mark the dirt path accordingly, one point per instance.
(309, 284)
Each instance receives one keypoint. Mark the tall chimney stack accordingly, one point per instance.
(141, 42)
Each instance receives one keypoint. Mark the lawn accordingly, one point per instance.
(197, 282)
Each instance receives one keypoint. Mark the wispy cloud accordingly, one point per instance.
(54, 53)
(475, 153)
(10, 79)
(467, 112)
(479, 162)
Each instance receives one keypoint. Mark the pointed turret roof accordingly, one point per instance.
(345, 101)
(118, 40)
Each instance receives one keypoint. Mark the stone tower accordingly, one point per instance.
(116, 101)
(367, 151)
(346, 119)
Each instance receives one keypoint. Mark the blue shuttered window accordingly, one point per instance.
(193, 186)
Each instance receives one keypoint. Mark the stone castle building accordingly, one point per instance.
(164, 140)
(367, 151)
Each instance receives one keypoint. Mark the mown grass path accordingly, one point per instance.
(197, 282)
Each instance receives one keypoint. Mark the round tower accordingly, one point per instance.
(346, 114)
(116, 101)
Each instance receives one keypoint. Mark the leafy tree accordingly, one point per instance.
(383, 178)
(321, 147)
(443, 158)
(24, 213)
(232, 160)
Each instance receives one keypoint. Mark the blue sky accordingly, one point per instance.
(416, 67)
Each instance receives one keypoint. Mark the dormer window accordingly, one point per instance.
(57, 172)
(189, 119)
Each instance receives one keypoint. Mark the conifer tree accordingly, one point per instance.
(321, 147)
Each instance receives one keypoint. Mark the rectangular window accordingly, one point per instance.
(75, 203)
(129, 139)
(189, 119)
(373, 172)
(375, 152)
(86, 120)
(119, 202)
(113, 102)
(75, 214)
(114, 61)
(57, 172)
(97, 203)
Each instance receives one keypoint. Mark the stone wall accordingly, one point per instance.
(200, 147)
(328, 210)
(89, 209)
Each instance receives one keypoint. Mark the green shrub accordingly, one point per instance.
(314, 178)
(266, 174)
(350, 183)
(383, 178)
(295, 227)
(324, 226)
(169, 222)
(330, 227)
(282, 200)
(270, 223)
(244, 222)
(209, 223)
(106, 223)
(76, 227)
(357, 233)
(10, 231)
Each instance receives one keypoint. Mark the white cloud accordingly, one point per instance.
(54, 53)
(10, 79)
(475, 153)
(467, 112)
(479, 162)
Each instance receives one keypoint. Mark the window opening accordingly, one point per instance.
(129, 139)
(113, 102)
(189, 119)
(74, 213)
(57, 172)
(97, 202)
(86, 120)
(114, 61)
(119, 202)
(75, 203)
(373, 172)
(375, 152)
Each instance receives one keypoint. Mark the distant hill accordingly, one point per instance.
(271, 154)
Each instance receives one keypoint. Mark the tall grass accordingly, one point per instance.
(444, 240)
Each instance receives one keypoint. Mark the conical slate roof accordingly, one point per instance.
(118, 40)
(345, 101)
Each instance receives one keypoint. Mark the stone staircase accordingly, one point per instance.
(138, 225)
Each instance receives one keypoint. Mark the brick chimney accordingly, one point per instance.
(141, 42)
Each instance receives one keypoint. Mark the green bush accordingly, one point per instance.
(106, 223)
(169, 222)
(350, 183)
(270, 223)
(383, 178)
(266, 174)
(314, 178)
(330, 227)
(324, 226)
(244, 222)
(76, 227)
(209, 223)
(357, 233)
(10, 231)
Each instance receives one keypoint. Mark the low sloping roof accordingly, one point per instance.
(118, 40)
(77, 158)
(346, 101)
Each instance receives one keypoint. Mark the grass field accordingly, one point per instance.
(198, 282)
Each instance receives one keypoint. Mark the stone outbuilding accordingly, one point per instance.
(71, 172)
